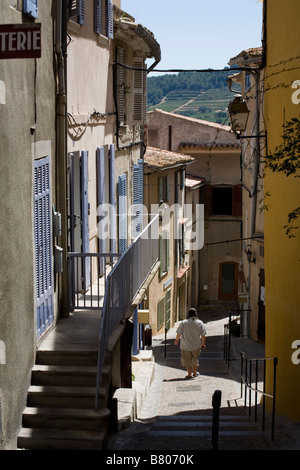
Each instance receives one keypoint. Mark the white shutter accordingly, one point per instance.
(139, 80)
(121, 86)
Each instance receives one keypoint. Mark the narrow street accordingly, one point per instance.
(177, 413)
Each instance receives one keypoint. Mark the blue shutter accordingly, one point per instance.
(100, 155)
(30, 7)
(112, 197)
(85, 217)
(137, 199)
(77, 10)
(110, 19)
(43, 244)
(97, 16)
(122, 194)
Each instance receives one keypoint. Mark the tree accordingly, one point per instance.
(286, 160)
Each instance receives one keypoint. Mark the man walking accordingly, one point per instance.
(191, 333)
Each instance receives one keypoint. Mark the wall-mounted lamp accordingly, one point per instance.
(249, 256)
(238, 113)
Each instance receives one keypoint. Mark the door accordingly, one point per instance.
(261, 307)
(43, 245)
(79, 218)
(228, 281)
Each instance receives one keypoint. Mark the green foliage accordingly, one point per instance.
(286, 160)
(192, 94)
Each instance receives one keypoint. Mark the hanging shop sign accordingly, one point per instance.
(20, 41)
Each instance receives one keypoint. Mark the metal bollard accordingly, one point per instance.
(216, 403)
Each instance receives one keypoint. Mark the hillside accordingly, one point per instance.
(198, 95)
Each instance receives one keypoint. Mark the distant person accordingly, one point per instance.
(191, 333)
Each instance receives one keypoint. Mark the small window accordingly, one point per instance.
(164, 252)
(247, 80)
(163, 189)
(30, 8)
(222, 201)
(77, 11)
(104, 20)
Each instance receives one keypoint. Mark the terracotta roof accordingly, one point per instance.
(192, 182)
(254, 53)
(157, 159)
(191, 119)
(187, 145)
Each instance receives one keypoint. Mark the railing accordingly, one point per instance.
(87, 275)
(238, 325)
(123, 284)
(253, 372)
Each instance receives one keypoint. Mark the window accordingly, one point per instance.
(137, 222)
(222, 201)
(121, 86)
(163, 189)
(247, 80)
(139, 92)
(225, 200)
(76, 10)
(164, 252)
(30, 7)
(103, 15)
(43, 244)
(160, 313)
(164, 311)
(122, 202)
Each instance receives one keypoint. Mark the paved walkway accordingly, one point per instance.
(177, 413)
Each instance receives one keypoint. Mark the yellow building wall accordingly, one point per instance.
(282, 254)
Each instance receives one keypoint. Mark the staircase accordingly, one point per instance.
(60, 412)
(194, 431)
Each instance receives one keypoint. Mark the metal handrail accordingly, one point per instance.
(88, 280)
(246, 381)
(123, 284)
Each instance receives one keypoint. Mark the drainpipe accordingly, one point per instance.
(61, 152)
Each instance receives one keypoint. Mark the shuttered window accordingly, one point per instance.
(43, 244)
(103, 18)
(76, 10)
(164, 240)
(85, 217)
(121, 84)
(112, 199)
(137, 222)
(163, 189)
(100, 161)
(223, 200)
(122, 203)
(139, 92)
(160, 313)
(30, 7)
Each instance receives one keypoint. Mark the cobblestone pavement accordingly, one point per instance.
(177, 413)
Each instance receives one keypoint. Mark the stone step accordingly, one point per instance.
(47, 357)
(65, 418)
(201, 426)
(70, 397)
(79, 375)
(55, 439)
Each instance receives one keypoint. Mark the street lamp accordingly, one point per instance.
(249, 256)
(238, 113)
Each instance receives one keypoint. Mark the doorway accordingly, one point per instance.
(228, 281)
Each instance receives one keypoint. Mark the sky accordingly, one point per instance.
(199, 34)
